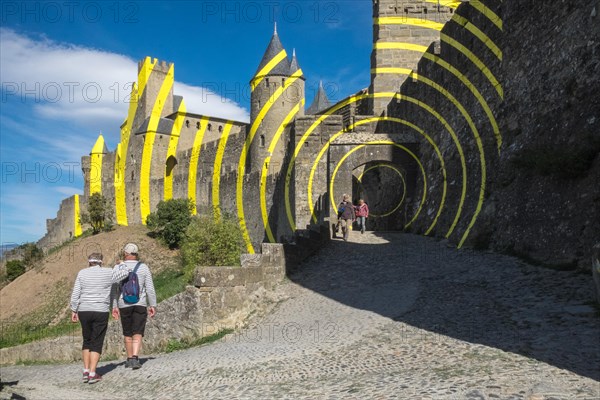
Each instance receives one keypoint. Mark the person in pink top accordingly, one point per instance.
(362, 213)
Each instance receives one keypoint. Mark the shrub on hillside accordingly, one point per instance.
(14, 269)
(170, 220)
(211, 242)
(31, 253)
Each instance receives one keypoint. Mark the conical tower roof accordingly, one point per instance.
(99, 146)
(294, 63)
(274, 61)
(320, 103)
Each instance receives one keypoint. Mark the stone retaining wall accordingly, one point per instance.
(221, 298)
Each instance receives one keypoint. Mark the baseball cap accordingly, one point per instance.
(130, 248)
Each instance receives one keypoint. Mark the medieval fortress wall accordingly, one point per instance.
(439, 144)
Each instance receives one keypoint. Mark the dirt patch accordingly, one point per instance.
(55, 275)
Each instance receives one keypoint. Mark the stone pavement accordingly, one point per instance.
(383, 316)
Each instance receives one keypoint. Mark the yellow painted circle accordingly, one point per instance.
(403, 187)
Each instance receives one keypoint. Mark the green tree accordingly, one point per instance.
(14, 269)
(211, 242)
(170, 220)
(98, 214)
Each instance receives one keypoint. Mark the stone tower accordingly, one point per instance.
(155, 73)
(402, 30)
(277, 94)
(146, 141)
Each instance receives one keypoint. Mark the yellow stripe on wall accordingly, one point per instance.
(472, 88)
(194, 159)
(263, 177)
(475, 60)
(482, 8)
(381, 142)
(96, 166)
(446, 3)
(136, 92)
(216, 188)
(479, 34)
(421, 23)
(172, 149)
(399, 46)
(145, 169)
(391, 70)
(77, 231)
(242, 162)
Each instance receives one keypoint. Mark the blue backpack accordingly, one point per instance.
(131, 287)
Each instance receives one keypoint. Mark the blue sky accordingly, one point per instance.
(66, 67)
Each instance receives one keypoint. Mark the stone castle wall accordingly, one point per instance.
(545, 109)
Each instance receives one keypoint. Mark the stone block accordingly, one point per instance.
(220, 276)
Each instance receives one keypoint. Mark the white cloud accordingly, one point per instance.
(73, 83)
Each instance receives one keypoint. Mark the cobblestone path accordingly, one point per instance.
(383, 316)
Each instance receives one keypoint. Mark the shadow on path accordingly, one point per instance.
(477, 297)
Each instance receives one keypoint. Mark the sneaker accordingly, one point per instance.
(128, 363)
(95, 378)
(135, 363)
(86, 377)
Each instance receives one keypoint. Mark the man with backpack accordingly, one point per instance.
(136, 301)
(90, 305)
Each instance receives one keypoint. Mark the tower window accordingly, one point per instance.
(209, 127)
(267, 81)
(282, 81)
(198, 125)
(220, 128)
(262, 140)
(187, 123)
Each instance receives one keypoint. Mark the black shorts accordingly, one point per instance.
(93, 328)
(133, 320)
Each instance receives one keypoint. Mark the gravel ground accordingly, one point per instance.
(383, 316)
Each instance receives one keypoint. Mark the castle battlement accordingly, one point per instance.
(159, 65)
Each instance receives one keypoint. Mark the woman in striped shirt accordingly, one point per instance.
(90, 305)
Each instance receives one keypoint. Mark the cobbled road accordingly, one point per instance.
(383, 316)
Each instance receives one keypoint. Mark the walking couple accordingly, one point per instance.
(96, 289)
(348, 213)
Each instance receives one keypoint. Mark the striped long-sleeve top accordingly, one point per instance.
(92, 290)
(147, 293)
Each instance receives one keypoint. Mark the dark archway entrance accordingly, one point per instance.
(383, 187)
(381, 169)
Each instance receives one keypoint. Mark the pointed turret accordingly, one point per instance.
(320, 103)
(95, 166)
(99, 146)
(274, 61)
(294, 63)
(277, 96)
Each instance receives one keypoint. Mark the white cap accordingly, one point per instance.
(130, 248)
